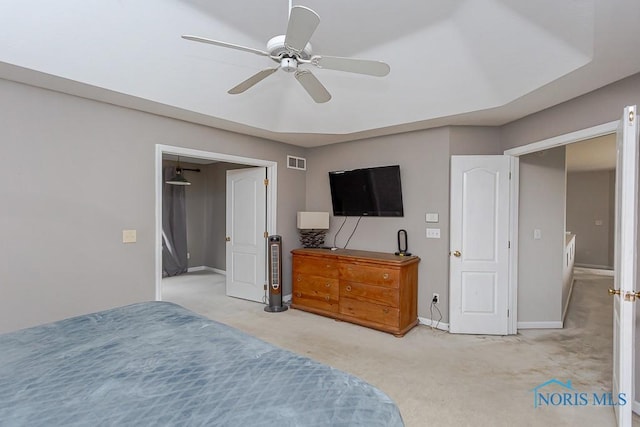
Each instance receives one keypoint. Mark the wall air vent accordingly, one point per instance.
(299, 163)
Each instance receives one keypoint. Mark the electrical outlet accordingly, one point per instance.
(436, 298)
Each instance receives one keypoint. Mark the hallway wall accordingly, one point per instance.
(541, 296)
(590, 215)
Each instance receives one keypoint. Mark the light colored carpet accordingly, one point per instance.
(437, 378)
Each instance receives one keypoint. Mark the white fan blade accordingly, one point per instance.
(313, 86)
(302, 23)
(359, 66)
(225, 44)
(251, 81)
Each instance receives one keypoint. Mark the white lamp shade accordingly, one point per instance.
(313, 220)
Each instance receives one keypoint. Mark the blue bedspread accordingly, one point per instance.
(157, 363)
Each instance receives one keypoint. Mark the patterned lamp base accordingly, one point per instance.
(312, 238)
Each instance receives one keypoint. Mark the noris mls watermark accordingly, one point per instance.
(569, 396)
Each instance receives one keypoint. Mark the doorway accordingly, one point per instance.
(195, 155)
(539, 234)
(626, 198)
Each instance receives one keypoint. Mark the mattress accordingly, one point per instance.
(157, 363)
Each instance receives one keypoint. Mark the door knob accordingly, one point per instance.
(228, 239)
(629, 296)
(457, 254)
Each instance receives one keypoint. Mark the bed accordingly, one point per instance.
(157, 363)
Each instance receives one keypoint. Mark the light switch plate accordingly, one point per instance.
(433, 233)
(129, 236)
(431, 217)
(537, 234)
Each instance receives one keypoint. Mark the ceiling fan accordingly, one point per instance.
(293, 49)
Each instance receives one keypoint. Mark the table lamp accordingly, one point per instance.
(313, 227)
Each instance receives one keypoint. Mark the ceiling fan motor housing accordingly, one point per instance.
(276, 47)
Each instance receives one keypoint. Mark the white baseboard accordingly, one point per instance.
(206, 268)
(433, 323)
(566, 304)
(540, 325)
(594, 269)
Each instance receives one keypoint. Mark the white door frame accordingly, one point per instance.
(272, 175)
(545, 144)
(568, 138)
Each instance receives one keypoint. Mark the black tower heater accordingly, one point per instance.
(275, 275)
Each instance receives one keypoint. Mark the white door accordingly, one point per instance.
(479, 245)
(625, 263)
(246, 228)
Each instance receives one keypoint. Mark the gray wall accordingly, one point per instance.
(75, 174)
(195, 198)
(474, 140)
(595, 108)
(195, 195)
(423, 157)
(591, 198)
(205, 202)
(542, 207)
(215, 215)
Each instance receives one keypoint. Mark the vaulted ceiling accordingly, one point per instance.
(452, 61)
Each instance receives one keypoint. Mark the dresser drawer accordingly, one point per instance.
(384, 295)
(370, 312)
(371, 275)
(315, 266)
(316, 292)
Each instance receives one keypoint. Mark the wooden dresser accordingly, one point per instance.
(373, 289)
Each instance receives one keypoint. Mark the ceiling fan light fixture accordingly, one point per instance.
(289, 65)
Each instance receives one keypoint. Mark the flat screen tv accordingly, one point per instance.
(367, 192)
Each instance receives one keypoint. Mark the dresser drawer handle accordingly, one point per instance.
(298, 294)
(385, 276)
(348, 288)
(299, 279)
(326, 298)
(328, 285)
(328, 265)
(385, 310)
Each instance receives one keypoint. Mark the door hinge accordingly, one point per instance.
(266, 234)
(509, 175)
(507, 312)
(266, 181)
(509, 245)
